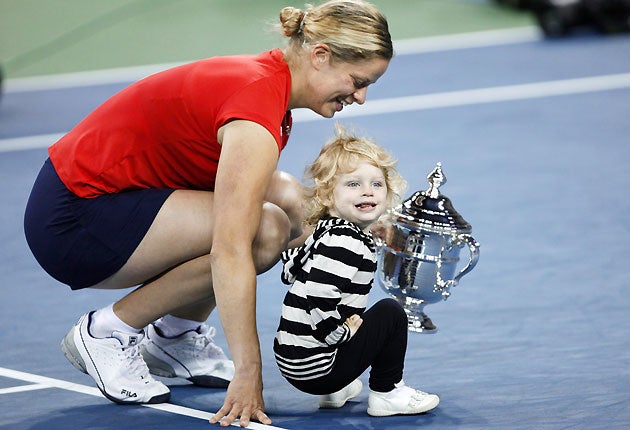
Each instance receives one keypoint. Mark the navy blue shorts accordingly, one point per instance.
(81, 242)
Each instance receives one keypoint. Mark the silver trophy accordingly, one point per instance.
(418, 256)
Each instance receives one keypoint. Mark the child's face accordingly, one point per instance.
(360, 196)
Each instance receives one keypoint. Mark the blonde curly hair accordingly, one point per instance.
(340, 155)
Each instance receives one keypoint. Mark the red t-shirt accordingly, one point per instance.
(161, 132)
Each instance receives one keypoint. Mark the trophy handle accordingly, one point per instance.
(473, 247)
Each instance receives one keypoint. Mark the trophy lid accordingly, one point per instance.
(432, 210)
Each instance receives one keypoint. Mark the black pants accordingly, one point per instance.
(380, 342)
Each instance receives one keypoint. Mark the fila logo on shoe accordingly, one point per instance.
(128, 393)
(133, 340)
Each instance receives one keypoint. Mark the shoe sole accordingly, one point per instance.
(158, 367)
(71, 352)
(162, 398)
(388, 413)
(335, 405)
(74, 357)
(209, 381)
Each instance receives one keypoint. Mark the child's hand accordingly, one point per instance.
(354, 322)
(382, 230)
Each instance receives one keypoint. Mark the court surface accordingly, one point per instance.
(533, 136)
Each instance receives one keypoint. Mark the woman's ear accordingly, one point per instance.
(320, 55)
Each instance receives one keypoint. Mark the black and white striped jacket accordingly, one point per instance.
(330, 276)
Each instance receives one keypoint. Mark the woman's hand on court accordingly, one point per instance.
(354, 322)
(243, 401)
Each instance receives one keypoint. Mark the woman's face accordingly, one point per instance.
(336, 84)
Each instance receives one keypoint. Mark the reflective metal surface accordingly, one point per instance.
(417, 259)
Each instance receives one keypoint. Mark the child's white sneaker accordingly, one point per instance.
(402, 400)
(339, 398)
(114, 363)
(192, 355)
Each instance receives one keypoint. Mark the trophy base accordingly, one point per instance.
(419, 322)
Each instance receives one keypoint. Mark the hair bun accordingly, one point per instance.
(291, 20)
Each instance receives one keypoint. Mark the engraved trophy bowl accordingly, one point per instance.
(418, 258)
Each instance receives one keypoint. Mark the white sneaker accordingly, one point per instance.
(402, 400)
(192, 355)
(339, 398)
(114, 363)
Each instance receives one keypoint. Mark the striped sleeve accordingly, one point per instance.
(335, 265)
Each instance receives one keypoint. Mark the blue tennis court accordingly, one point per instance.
(533, 136)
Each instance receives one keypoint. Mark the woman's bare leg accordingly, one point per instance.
(287, 192)
(174, 254)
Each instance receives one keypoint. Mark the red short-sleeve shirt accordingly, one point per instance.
(160, 132)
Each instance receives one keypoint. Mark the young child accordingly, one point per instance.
(326, 339)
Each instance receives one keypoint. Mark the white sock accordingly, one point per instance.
(105, 321)
(171, 326)
(385, 393)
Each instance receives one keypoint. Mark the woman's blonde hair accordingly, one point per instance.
(354, 30)
(340, 155)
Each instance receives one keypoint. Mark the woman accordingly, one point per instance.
(171, 184)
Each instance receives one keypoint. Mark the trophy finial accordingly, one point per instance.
(436, 178)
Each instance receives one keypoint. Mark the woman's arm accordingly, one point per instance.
(248, 159)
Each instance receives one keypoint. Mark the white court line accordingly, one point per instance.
(28, 142)
(401, 47)
(478, 39)
(46, 382)
(413, 103)
(23, 388)
(478, 96)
